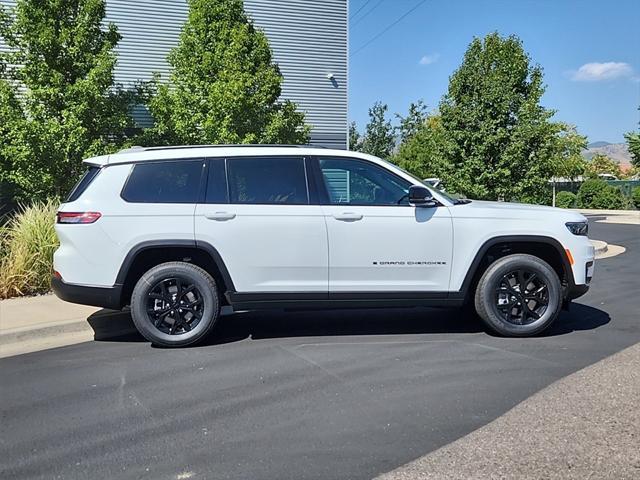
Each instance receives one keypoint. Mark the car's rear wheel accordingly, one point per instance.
(175, 304)
(519, 295)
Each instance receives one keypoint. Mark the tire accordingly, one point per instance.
(175, 304)
(503, 305)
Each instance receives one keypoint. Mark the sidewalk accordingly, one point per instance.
(625, 217)
(37, 323)
(583, 426)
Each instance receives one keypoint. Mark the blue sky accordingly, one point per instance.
(589, 50)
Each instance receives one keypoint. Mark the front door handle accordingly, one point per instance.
(220, 216)
(348, 216)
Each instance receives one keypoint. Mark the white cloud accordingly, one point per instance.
(595, 72)
(429, 59)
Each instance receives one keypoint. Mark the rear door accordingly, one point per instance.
(258, 215)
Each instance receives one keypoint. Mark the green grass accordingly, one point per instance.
(27, 242)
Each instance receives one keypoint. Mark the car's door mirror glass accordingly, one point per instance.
(421, 196)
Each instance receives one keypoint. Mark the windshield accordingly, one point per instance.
(455, 201)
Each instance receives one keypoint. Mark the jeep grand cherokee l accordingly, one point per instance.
(178, 232)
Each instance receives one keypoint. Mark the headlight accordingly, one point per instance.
(578, 228)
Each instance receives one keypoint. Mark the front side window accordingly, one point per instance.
(357, 182)
(164, 182)
(267, 180)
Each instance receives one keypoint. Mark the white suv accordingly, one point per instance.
(178, 232)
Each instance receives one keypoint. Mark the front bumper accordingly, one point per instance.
(105, 297)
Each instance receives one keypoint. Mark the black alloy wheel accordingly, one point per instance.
(174, 306)
(519, 295)
(522, 297)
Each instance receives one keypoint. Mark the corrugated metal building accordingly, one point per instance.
(308, 39)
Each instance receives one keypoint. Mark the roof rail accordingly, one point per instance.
(247, 145)
(133, 148)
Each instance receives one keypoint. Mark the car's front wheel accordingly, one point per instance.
(519, 295)
(175, 304)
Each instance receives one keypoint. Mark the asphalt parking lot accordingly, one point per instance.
(345, 394)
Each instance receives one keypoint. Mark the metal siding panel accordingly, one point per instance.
(308, 39)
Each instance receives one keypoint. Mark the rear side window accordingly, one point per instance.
(164, 182)
(267, 180)
(83, 183)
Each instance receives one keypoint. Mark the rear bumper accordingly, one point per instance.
(105, 297)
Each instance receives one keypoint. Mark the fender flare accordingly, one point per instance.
(149, 244)
(482, 251)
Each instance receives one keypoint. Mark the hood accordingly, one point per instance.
(505, 210)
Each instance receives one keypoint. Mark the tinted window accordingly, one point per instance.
(217, 182)
(267, 180)
(164, 182)
(83, 183)
(356, 182)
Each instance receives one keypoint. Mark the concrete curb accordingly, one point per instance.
(588, 211)
(600, 246)
(102, 325)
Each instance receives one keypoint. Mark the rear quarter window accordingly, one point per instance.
(84, 182)
(164, 182)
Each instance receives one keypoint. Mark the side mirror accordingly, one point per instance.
(421, 197)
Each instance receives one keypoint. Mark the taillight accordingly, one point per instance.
(78, 217)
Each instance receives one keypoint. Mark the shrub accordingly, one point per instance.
(597, 193)
(27, 243)
(566, 199)
(635, 197)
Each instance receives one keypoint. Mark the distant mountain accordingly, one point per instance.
(598, 144)
(616, 151)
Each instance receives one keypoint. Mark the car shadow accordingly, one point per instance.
(109, 325)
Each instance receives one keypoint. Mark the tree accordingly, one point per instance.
(600, 163)
(68, 108)
(224, 86)
(633, 141)
(501, 139)
(355, 139)
(379, 137)
(423, 153)
(415, 119)
(568, 159)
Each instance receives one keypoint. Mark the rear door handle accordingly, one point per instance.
(220, 216)
(348, 216)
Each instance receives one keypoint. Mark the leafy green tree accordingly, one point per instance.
(224, 85)
(423, 153)
(568, 159)
(635, 197)
(566, 199)
(62, 55)
(355, 139)
(633, 141)
(596, 193)
(379, 139)
(600, 163)
(413, 122)
(501, 139)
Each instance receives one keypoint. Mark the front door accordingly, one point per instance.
(377, 241)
